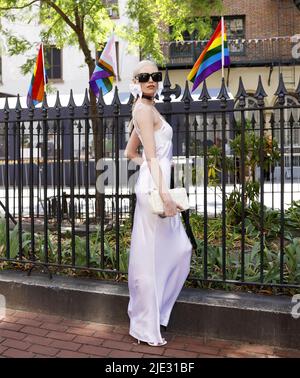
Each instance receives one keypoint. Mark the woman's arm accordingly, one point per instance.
(131, 148)
(145, 121)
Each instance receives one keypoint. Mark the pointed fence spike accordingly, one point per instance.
(204, 96)
(6, 105)
(281, 87)
(260, 93)
(186, 97)
(71, 103)
(241, 93)
(281, 91)
(167, 83)
(86, 100)
(29, 103)
(57, 101)
(100, 101)
(116, 99)
(18, 104)
(223, 94)
(214, 122)
(253, 120)
(291, 119)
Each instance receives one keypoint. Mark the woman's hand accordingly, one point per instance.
(171, 208)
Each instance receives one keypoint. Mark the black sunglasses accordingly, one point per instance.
(144, 77)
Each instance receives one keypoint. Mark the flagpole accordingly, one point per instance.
(115, 56)
(43, 66)
(222, 27)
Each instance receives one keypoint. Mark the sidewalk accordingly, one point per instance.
(26, 334)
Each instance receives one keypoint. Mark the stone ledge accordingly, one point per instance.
(211, 313)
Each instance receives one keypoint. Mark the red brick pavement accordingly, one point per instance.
(27, 334)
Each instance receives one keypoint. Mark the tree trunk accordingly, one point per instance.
(98, 140)
(97, 126)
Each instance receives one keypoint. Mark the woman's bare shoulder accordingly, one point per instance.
(141, 105)
(142, 110)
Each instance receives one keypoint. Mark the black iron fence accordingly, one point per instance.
(239, 163)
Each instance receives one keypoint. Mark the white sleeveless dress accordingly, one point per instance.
(160, 251)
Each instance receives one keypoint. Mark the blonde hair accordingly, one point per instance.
(135, 72)
(142, 64)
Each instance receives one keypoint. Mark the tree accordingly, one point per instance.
(83, 23)
(166, 20)
(86, 24)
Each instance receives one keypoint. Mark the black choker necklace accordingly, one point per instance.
(147, 97)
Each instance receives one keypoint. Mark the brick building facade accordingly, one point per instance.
(266, 18)
(264, 40)
(260, 41)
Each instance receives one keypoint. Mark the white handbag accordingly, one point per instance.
(178, 195)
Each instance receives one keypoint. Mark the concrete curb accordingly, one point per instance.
(211, 313)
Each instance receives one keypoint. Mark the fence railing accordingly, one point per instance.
(237, 163)
(242, 51)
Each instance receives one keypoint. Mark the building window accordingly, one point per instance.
(185, 50)
(113, 8)
(235, 27)
(99, 52)
(53, 63)
(183, 53)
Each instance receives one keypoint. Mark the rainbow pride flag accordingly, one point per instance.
(105, 70)
(210, 59)
(39, 80)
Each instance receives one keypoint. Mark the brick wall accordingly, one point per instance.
(266, 18)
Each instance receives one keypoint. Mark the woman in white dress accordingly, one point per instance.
(160, 251)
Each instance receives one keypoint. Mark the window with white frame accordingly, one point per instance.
(53, 62)
(112, 8)
(235, 29)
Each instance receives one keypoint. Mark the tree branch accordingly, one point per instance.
(22, 7)
(87, 11)
(52, 26)
(77, 29)
(81, 39)
(77, 17)
(62, 14)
